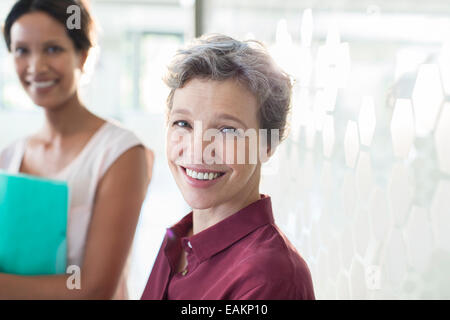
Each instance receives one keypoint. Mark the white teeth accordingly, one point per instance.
(202, 175)
(43, 85)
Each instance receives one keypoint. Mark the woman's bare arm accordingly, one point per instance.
(116, 211)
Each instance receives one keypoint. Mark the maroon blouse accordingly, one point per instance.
(244, 256)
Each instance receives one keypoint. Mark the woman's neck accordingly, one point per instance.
(66, 119)
(205, 218)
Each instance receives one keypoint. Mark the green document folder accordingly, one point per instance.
(33, 223)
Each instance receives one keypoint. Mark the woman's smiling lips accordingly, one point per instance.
(201, 177)
(41, 86)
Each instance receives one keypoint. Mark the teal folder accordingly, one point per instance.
(33, 224)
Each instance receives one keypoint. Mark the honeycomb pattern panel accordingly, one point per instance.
(365, 193)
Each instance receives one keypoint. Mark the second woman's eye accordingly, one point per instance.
(181, 124)
(54, 49)
(231, 131)
(20, 51)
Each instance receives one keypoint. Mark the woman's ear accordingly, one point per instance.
(83, 54)
(270, 150)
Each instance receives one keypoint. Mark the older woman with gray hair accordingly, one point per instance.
(227, 99)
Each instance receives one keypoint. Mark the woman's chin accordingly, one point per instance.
(47, 104)
(199, 202)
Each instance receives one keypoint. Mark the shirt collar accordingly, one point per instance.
(220, 236)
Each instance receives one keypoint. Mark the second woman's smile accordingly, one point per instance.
(201, 177)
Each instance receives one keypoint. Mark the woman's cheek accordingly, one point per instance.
(67, 69)
(20, 66)
(229, 152)
(176, 144)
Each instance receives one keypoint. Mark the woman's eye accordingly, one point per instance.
(181, 124)
(230, 130)
(20, 51)
(54, 49)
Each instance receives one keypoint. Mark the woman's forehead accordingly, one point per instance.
(212, 95)
(213, 101)
(38, 27)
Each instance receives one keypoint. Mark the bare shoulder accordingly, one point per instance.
(129, 174)
(134, 160)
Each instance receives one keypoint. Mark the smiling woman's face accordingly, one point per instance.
(46, 61)
(222, 106)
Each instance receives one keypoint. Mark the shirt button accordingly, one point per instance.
(189, 244)
(184, 272)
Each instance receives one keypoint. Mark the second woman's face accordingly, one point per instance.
(206, 168)
(46, 61)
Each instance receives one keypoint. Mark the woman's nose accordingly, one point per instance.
(193, 150)
(37, 64)
(197, 145)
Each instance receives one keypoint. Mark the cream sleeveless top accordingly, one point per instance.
(82, 176)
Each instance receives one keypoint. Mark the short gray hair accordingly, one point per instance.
(219, 57)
